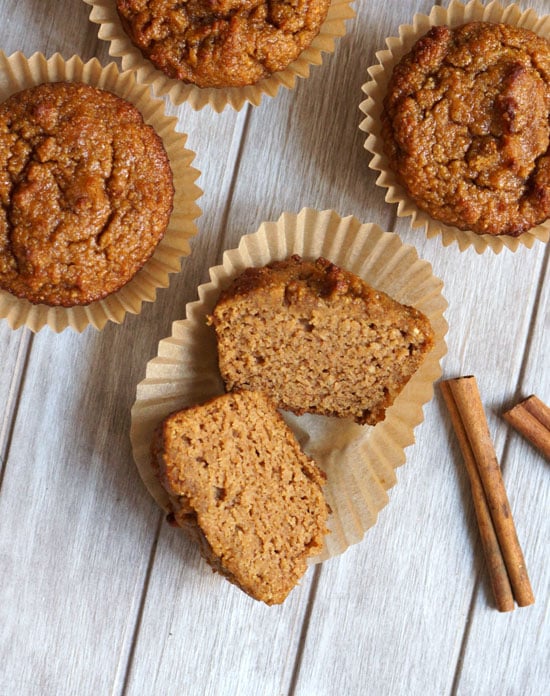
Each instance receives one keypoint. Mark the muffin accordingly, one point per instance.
(86, 193)
(318, 339)
(221, 43)
(241, 486)
(465, 127)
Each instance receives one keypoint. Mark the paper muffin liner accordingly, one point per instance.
(456, 14)
(18, 72)
(359, 460)
(105, 14)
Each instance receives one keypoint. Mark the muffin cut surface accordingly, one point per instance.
(318, 339)
(240, 484)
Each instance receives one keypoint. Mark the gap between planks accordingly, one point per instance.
(126, 660)
(245, 124)
(14, 394)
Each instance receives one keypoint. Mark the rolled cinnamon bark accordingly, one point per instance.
(475, 434)
(498, 574)
(531, 417)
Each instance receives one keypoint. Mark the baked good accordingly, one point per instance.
(221, 43)
(466, 126)
(240, 484)
(86, 193)
(317, 339)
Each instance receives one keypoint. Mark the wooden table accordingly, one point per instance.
(100, 596)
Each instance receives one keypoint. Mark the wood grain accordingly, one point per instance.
(98, 595)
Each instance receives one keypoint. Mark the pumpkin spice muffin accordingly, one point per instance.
(466, 127)
(243, 489)
(86, 193)
(221, 43)
(318, 339)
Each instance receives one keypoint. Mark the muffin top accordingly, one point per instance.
(85, 193)
(466, 126)
(221, 43)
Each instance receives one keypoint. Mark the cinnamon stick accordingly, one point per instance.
(531, 417)
(466, 397)
(498, 574)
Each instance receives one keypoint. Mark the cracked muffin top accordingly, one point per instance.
(221, 43)
(85, 193)
(466, 126)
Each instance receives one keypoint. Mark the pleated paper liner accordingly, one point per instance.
(18, 72)
(456, 14)
(360, 461)
(105, 14)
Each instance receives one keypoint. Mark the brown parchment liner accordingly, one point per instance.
(360, 461)
(456, 14)
(104, 13)
(18, 72)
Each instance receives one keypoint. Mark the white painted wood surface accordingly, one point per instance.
(99, 596)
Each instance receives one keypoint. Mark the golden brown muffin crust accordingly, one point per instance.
(85, 193)
(222, 43)
(318, 339)
(466, 126)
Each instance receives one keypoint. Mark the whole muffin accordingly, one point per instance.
(221, 43)
(466, 127)
(86, 193)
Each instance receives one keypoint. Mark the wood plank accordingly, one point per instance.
(14, 347)
(29, 26)
(206, 636)
(311, 149)
(515, 645)
(79, 516)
